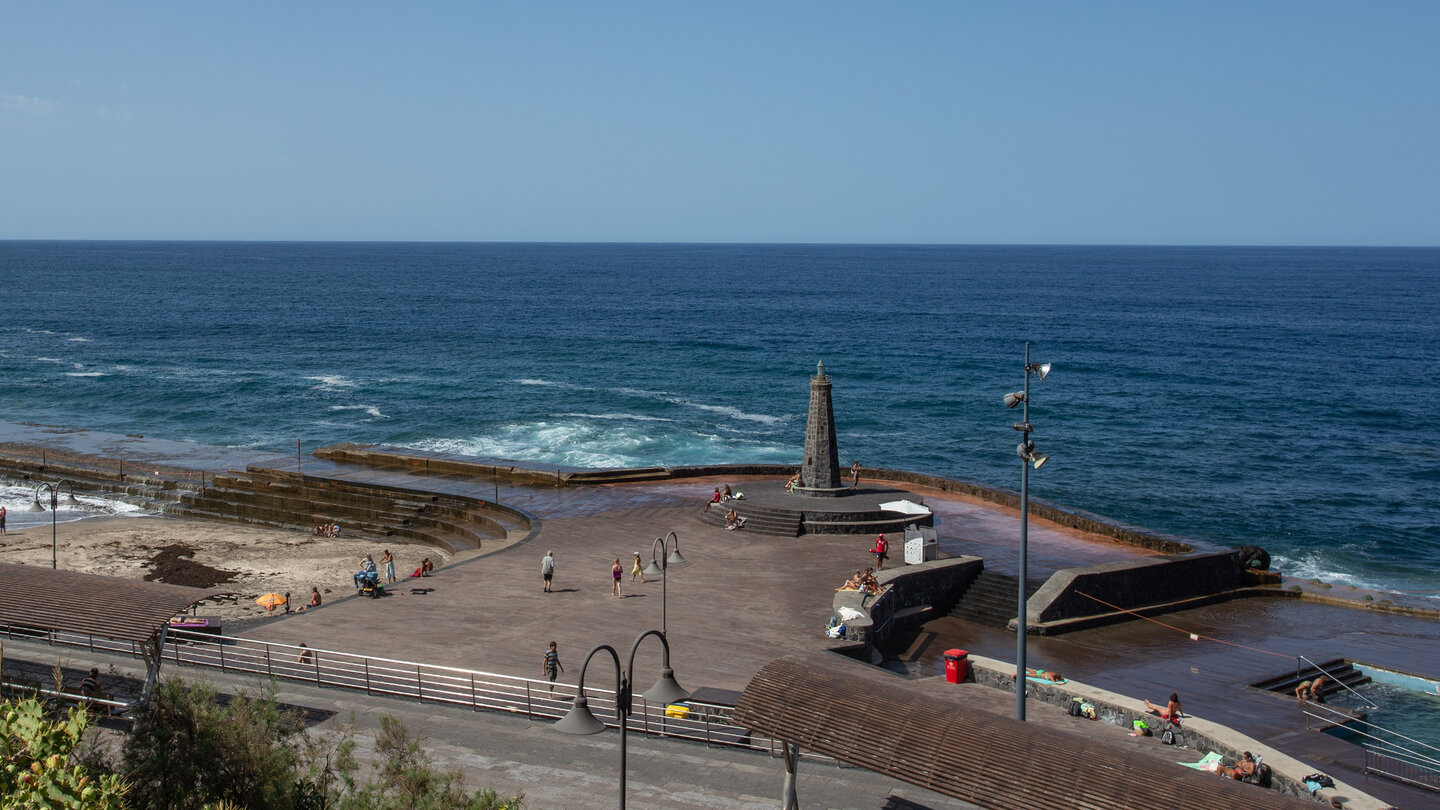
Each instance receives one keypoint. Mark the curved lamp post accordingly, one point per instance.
(54, 507)
(658, 564)
(1028, 457)
(579, 720)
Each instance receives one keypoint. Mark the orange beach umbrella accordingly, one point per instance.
(270, 601)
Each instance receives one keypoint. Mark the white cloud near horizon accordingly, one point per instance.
(30, 105)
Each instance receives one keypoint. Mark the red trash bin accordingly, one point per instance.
(957, 665)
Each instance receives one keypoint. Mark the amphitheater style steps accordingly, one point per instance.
(990, 599)
(758, 519)
(288, 500)
(1337, 670)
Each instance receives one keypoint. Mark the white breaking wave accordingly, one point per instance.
(1310, 566)
(370, 409)
(551, 384)
(17, 501)
(636, 392)
(84, 374)
(332, 382)
(600, 443)
(49, 360)
(728, 410)
(634, 417)
(78, 340)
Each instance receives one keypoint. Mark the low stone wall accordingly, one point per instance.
(422, 461)
(1134, 584)
(1195, 733)
(908, 590)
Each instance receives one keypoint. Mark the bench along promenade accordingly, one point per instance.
(743, 598)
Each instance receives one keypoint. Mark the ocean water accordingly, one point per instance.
(1285, 397)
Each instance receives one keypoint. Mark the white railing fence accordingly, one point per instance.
(488, 691)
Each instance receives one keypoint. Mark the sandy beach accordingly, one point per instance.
(245, 560)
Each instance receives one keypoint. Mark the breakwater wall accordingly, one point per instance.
(1077, 598)
(406, 458)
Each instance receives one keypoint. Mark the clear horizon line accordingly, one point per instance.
(678, 243)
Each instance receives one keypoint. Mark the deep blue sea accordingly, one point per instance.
(1287, 397)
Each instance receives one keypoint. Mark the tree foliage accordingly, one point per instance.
(191, 749)
(40, 768)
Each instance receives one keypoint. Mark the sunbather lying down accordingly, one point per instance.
(1042, 675)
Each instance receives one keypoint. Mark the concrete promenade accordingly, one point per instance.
(739, 601)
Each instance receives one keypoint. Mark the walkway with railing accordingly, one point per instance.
(488, 691)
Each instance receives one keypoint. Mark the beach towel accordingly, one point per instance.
(1045, 681)
(1210, 762)
(849, 613)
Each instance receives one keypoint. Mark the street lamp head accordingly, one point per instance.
(1011, 400)
(1026, 451)
(675, 558)
(579, 720)
(73, 501)
(653, 569)
(666, 690)
(36, 506)
(1042, 370)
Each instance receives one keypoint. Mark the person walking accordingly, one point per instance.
(551, 667)
(615, 573)
(637, 572)
(547, 569)
(389, 560)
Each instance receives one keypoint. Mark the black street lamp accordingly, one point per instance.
(1028, 457)
(54, 507)
(659, 564)
(579, 720)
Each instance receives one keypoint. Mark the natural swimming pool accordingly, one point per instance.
(1403, 718)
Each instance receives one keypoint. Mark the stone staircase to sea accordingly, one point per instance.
(990, 599)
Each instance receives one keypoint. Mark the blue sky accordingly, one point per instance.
(1066, 122)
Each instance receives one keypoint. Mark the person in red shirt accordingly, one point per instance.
(881, 552)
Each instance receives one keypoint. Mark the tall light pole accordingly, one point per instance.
(1028, 457)
(54, 507)
(658, 566)
(579, 720)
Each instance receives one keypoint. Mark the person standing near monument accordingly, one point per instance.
(547, 569)
(855, 476)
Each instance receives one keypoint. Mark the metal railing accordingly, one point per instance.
(488, 691)
(115, 709)
(1387, 753)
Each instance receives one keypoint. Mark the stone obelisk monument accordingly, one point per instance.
(820, 474)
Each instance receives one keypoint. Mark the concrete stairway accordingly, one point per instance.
(990, 599)
(287, 499)
(758, 519)
(1337, 670)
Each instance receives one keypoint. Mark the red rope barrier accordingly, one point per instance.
(1193, 636)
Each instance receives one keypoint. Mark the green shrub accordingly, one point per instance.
(191, 749)
(39, 766)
